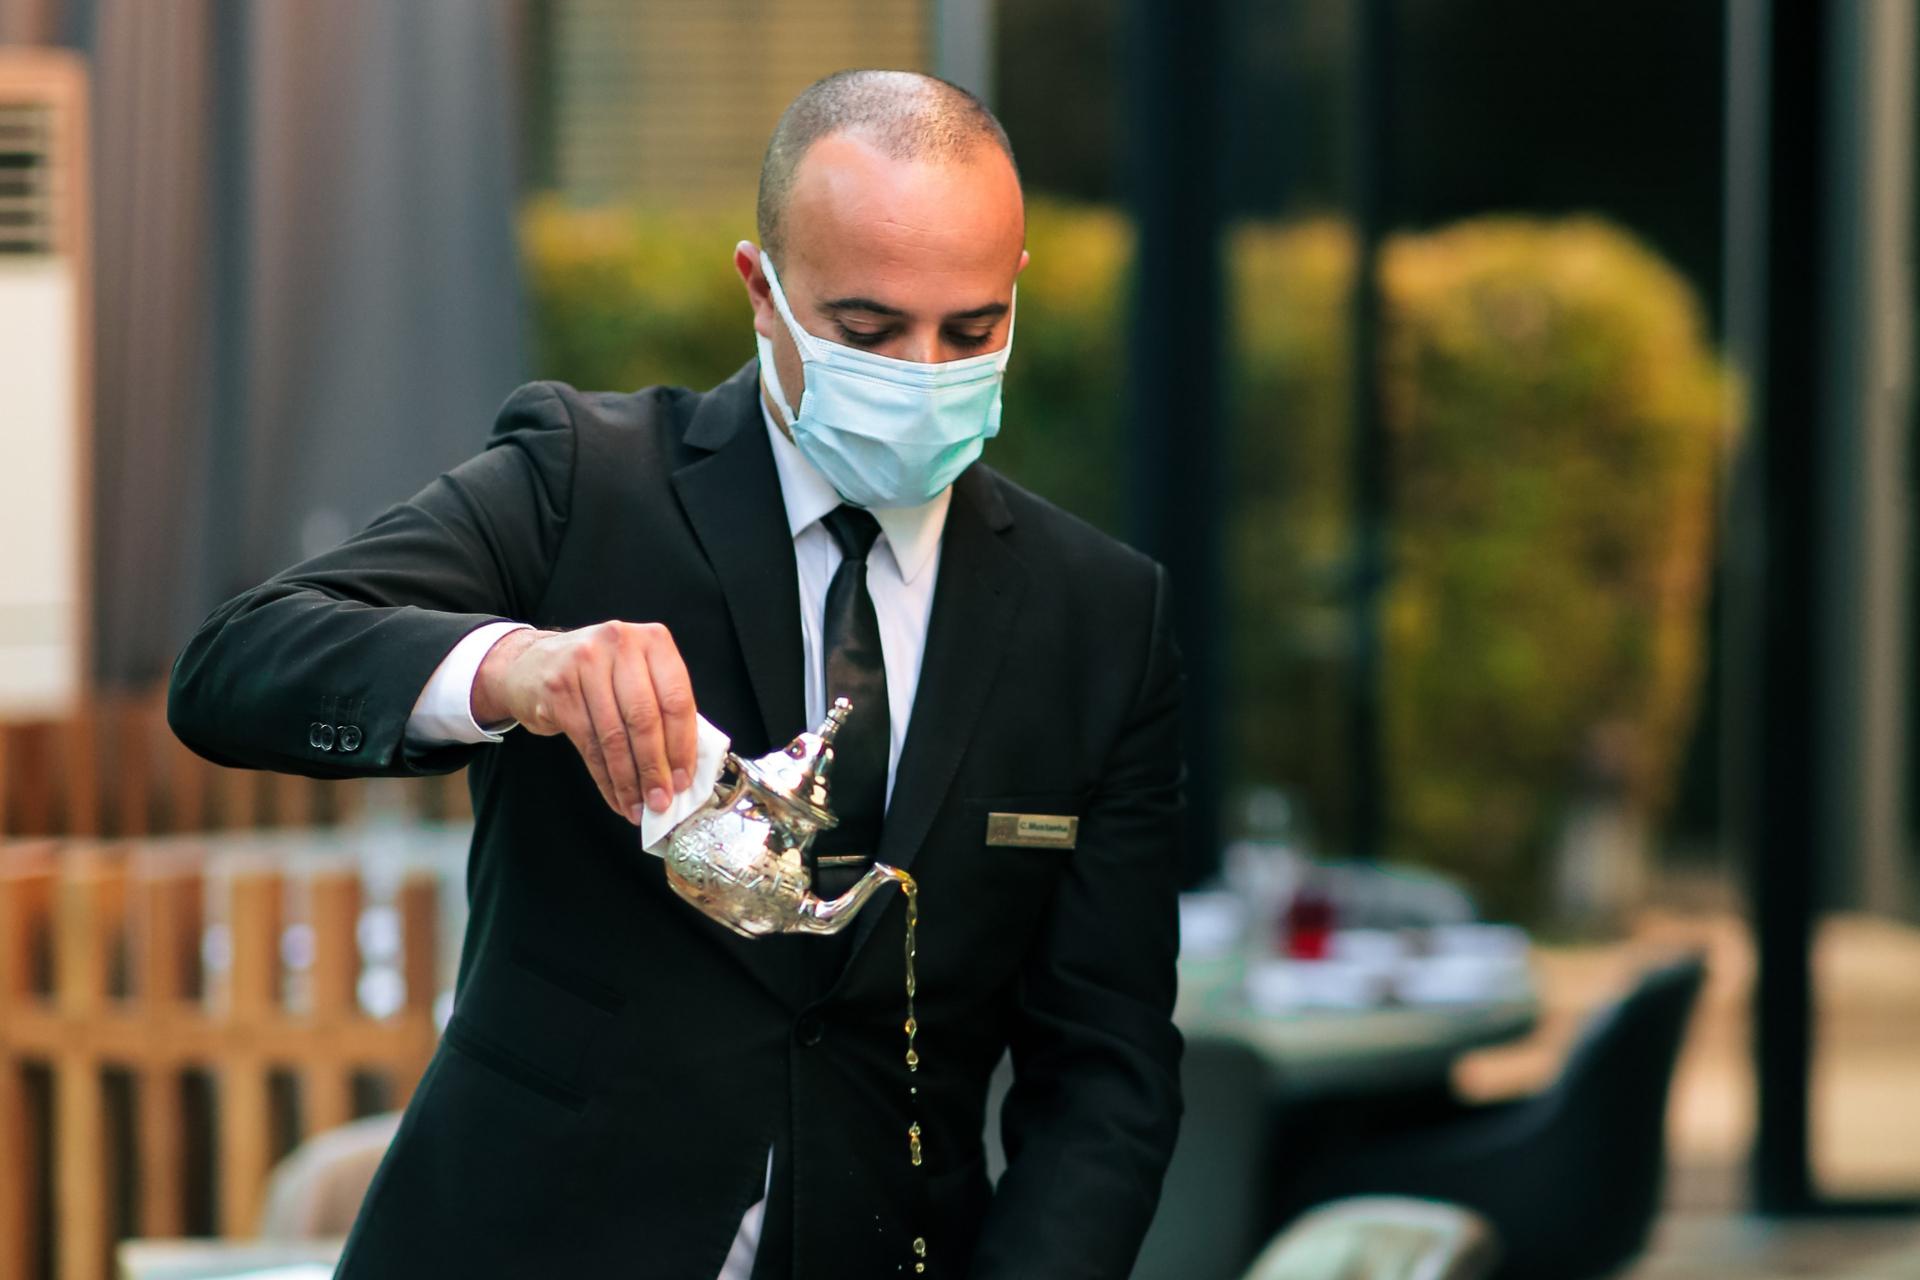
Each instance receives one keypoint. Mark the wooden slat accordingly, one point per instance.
(188, 779)
(239, 792)
(296, 800)
(26, 886)
(459, 800)
(167, 926)
(134, 721)
(349, 798)
(419, 906)
(27, 878)
(327, 1080)
(79, 738)
(168, 916)
(90, 900)
(19, 1189)
(246, 1114)
(32, 808)
(186, 1038)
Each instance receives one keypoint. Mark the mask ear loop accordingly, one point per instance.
(1013, 313)
(769, 372)
(801, 338)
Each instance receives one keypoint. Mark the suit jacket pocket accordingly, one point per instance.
(532, 1024)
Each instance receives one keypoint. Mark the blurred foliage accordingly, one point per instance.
(625, 299)
(1557, 423)
(1556, 417)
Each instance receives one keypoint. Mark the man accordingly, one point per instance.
(626, 1087)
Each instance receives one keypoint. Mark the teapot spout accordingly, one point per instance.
(830, 915)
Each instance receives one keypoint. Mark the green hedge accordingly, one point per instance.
(1556, 417)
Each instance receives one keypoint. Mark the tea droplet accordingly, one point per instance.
(912, 1024)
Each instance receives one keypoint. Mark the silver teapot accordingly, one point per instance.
(741, 856)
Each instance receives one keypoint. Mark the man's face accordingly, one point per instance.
(907, 258)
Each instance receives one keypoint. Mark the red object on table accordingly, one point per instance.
(1307, 926)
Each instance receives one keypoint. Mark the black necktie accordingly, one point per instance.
(857, 671)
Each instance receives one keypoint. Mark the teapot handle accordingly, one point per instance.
(728, 786)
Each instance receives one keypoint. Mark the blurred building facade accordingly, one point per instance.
(671, 102)
(307, 295)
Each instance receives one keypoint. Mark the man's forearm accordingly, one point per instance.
(352, 635)
(265, 669)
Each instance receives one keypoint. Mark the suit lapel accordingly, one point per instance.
(732, 498)
(731, 494)
(974, 604)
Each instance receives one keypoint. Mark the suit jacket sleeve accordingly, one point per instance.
(352, 635)
(1089, 1124)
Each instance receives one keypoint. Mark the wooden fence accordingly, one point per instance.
(112, 1001)
(114, 768)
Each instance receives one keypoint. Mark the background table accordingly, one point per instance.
(198, 1259)
(1345, 1052)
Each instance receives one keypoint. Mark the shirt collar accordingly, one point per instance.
(912, 533)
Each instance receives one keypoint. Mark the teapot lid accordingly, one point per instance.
(797, 775)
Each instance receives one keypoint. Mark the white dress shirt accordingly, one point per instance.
(901, 570)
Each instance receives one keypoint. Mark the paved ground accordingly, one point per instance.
(1717, 1247)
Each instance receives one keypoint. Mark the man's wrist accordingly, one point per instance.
(487, 701)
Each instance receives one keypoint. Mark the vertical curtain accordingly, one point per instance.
(307, 291)
(381, 306)
(152, 266)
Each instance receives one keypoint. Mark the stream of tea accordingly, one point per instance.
(912, 890)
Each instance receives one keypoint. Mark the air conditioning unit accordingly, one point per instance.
(45, 368)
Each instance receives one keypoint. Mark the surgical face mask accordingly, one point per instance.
(886, 432)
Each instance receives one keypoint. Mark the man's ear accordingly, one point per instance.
(746, 261)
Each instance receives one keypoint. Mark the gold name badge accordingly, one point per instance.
(1033, 830)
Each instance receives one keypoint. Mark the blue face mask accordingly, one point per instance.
(886, 432)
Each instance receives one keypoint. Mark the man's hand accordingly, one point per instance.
(618, 690)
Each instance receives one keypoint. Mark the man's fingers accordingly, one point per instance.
(673, 691)
(570, 713)
(610, 735)
(621, 694)
(640, 711)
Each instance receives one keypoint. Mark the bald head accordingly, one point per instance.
(904, 115)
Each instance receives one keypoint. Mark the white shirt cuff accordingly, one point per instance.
(444, 712)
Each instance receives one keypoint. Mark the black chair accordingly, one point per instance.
(1212, 1205)
(1570, 1178)
(1213, 1211)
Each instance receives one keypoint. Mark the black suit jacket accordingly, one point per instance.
(617, 1064)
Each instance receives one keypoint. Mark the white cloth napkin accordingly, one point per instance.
(710, 752)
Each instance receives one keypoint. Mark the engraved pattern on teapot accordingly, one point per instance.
(741, 856)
